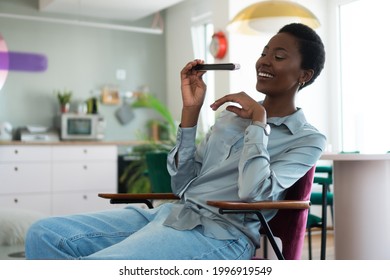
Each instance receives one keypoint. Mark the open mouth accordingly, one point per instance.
(265, 75)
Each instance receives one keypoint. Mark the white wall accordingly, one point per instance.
(315, 99)
(179, 48)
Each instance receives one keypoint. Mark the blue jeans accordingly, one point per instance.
(130, 234)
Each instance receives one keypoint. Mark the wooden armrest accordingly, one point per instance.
(261, 205)
(146, 198)
(135, 196)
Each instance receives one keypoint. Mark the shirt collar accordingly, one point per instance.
(294, 122)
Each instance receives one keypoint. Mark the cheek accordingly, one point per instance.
(289, 74)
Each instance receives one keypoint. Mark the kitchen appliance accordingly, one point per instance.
(81, 126)
(27, 135)
(5, 131)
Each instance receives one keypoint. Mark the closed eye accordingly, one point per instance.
(277, 57)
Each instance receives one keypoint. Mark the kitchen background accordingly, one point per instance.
(83, 60)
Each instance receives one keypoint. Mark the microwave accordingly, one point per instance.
(81, 126)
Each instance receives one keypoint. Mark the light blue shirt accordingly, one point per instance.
(238, 161)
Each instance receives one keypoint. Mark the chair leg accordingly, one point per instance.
(265, 247)
(265, 227)
(309, 241)
(324, 221)
(270, 236)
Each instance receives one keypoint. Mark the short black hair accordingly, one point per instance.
(311, 48)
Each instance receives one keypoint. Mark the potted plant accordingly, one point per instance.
(145, 100)
(64, 100)
(135, 175)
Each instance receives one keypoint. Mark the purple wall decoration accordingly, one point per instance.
(19, 61)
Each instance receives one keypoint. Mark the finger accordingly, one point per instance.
(227, 98)
(234, 109)
(188, 70)
(188, 67)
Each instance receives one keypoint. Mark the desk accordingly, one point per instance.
(361, 205)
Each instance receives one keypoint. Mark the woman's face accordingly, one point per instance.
(279, 67)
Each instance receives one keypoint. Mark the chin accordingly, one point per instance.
(261, 89)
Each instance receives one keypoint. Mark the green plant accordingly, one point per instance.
(146, 100)
(135, 175)
(64, 97)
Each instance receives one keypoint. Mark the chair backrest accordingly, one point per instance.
(290, 225)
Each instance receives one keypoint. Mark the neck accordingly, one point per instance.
(276, 107)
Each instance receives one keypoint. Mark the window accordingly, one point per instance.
(364, 48)
(202, 35)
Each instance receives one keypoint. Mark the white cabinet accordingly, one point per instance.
(79, 174)
(57, 179)
(40, 203)
(25, 174)
(79, 202)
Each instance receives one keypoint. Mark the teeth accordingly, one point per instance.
(266, 75)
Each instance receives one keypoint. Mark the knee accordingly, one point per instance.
(35, 239)
(34, 231)
(32, 238)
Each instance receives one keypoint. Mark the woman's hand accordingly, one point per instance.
(248, 107)
(193, 88)
(193, 91)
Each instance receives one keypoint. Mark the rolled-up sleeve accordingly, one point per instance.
(181, 160)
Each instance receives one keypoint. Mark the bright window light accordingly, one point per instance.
(364, 48)
(201, 37)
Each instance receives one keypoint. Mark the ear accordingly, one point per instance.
(306, 75)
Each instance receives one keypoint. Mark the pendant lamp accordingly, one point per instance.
(270, 16)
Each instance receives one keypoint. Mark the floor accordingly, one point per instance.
(15, 252)
(316, 246)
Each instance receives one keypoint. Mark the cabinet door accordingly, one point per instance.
(80, 202)
(92, 175)
(39, 203)
(21, 177)
(74, 153)
(24, 153)
(82, 168)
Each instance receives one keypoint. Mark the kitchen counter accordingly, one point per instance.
(72, 143)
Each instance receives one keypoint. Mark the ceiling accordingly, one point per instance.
(128, 10)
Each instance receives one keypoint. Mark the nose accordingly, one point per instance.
(262, 60)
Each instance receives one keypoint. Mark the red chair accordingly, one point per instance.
(289, 224)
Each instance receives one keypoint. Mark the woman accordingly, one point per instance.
(255, 151)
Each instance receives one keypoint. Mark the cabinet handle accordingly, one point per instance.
(85, 167)
(85, 151)
(16, 168)
(16, 200)
(16, 152)
(85, 197)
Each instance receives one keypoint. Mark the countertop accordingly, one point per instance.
(354, 156)
(71, 143)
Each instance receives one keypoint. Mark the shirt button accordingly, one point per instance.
(246, 140)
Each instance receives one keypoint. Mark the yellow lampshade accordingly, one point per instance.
(270, 16)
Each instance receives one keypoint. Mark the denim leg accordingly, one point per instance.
(158, 242)
(76, 236)
(130, 233)
(165, 243)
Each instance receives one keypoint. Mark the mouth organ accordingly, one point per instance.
(217, 66)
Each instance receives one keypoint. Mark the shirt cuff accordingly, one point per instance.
(255, 135)
(186, 136)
